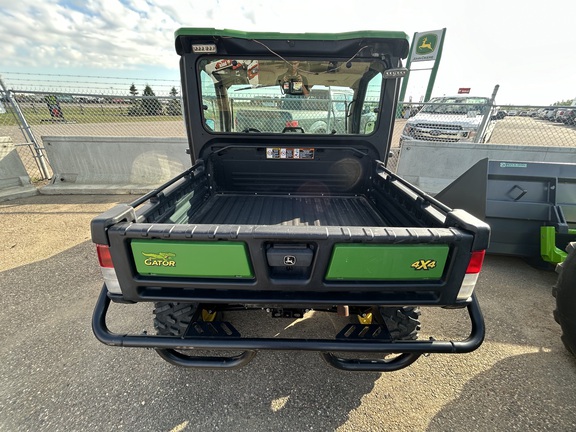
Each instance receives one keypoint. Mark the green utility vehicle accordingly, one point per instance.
(565, 293)
(289, 221)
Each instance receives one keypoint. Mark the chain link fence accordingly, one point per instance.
(517, 125)
(48, 114)
(47, 105)
(14, 130)
(35, 107)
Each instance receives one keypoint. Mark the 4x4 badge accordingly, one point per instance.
(424, 264)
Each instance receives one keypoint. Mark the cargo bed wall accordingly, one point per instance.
(291, 167)
(246, 186)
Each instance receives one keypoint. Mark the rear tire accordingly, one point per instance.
(565, 293)
(172, 318)
(403, 323)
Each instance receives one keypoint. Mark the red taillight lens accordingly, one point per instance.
(292, 123)
(104, 257)
(475, 264)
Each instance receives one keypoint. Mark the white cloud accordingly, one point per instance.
(105, 34)
(515, 44)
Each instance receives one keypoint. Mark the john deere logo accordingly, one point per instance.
(160, 259)
(424, 264)
(426, 44)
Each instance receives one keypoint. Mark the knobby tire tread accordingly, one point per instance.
(565, 293)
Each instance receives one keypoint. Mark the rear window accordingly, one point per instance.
(270, 95)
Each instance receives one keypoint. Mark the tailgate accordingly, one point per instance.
(289, 264)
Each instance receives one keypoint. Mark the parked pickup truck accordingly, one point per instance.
(323, 111)
(452, 119)
(289, 225)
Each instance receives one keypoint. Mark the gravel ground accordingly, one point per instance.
(55, 376)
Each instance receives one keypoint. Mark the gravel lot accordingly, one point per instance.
(55, 376)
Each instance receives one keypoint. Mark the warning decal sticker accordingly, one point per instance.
(289, 153)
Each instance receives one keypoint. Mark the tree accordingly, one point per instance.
(136, 108)
(174, 108)
(566, 102)
(152, 105)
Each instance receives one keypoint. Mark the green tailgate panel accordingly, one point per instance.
(191, 259)
(387, 262)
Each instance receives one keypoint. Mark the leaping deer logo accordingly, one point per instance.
(426, 45)
(165, 256)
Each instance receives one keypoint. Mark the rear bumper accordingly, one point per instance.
(166, 345)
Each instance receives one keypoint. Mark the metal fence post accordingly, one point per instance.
(487, 115)
(27, 131)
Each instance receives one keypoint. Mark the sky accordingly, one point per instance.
(525, 47)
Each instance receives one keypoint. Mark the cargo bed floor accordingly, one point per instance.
(287, 210)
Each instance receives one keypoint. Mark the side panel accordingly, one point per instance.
(387, 262)
(192, 259)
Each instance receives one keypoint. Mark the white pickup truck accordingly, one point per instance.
(451, 119)
(323, 111)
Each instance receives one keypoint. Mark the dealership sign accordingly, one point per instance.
(426, 45)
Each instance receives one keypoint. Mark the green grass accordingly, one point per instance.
(39, 114)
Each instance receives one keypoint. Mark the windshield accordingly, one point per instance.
(281, 96)
(456, 105)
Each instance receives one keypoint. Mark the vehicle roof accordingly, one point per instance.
(372, 34)
(397, 41)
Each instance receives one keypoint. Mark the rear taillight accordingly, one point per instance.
(104, 257)
(475, 264)
(107, 269)
(471, 276)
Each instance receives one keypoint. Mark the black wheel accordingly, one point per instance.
(565, 292)
(172, 319)
(403, 323)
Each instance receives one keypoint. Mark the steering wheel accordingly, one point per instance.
(250, 129)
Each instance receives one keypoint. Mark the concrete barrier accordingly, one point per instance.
(432, 166)
(106, 165)
(14, 179)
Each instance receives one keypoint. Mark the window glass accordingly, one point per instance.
(276, 96)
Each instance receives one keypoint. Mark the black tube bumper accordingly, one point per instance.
(166, 346)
